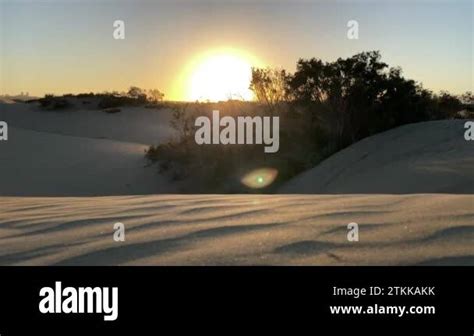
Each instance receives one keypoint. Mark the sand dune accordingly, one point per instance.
(81, 152)
(428, 157)
(132, 124)
(44, 164)
(238, 230)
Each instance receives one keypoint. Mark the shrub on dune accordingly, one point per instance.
(51, 102)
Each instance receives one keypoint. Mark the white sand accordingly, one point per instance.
(428, 157)
(45, 164)
(238, 230)
(132, 124)
(81, 152)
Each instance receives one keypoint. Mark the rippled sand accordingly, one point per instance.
(238, 230)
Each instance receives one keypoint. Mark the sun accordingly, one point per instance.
(220, 76)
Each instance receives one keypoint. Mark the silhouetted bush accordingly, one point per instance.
(155, 96)
(137, 94)
(85, 95)
(51, 102)
(106, 100)
(134, 97)
(216, 169)
(46, 101)
(111, 102)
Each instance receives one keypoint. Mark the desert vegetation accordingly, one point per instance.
(323, 107)
(109, 102)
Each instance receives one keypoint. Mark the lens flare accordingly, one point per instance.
(260, 178)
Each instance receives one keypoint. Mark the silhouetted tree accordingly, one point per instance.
(156, 95)
(449, 105)
(342, 94)
(137, 93)
(467, 98)
(358, 96)
(269, 86)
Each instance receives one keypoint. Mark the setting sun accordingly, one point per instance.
(220, 76)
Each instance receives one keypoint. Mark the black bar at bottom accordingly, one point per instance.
(248, 300)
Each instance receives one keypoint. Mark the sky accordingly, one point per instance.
(68, 46)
